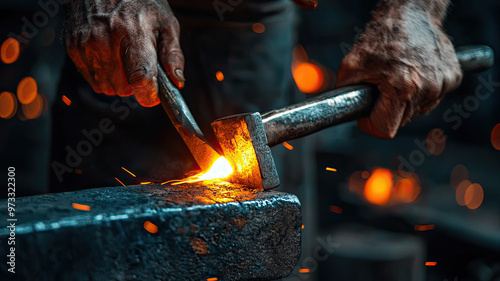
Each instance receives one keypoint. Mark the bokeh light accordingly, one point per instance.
(407, 189)
(10, 51)
(27, 90)
(8, 105)
(474, 196)
(258, 27)
(495, 137)
(460, 192)
(378, 187)
(308, 77)
(34, 109)
(436, 141)
(458, 174)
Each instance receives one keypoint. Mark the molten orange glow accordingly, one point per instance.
(424, 227)
(258, 28)
(474, 196)
(436, 141)
(308, 77)
(66, 100)
(212, 279)
(34, 109)
(495, 137)
(430, 263)
(146, 182)
(128, 172)
(220, 169)
(27, 90)
(81, 207)
(336, 209)
(8, 105)
(304, 270)
(458, 174)
(331, 169)
(460, 192)
(10, 50)
(150, 227)
(287, 145)
(219, 75)
(378, 187)
(302, 226)
(120, 181)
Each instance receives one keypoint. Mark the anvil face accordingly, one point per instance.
(244, 143)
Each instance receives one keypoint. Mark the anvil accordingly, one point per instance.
(204, 230)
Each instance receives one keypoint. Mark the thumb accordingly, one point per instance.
(171, 55)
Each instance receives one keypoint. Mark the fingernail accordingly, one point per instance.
(179, 74)
(180, 84)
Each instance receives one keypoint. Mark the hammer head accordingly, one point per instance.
(244, 144)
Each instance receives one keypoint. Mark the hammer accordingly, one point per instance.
(246, 138)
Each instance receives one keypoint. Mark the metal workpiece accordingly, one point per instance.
(183, 121)
(315, 114)
(244, 143)
(204, 230)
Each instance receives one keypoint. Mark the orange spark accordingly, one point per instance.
(219, 75)
(150, 227)
(308, 77)
(10, 50)
(27, 90)
(424, 227)
(258, 27)
(379, 186)
(66, 100)
(8, 105)
(146, 182)
(331, 169)
(287, 145)
(430, 263)
(302, 226)
(304, 270)
(128, 172)
(120, 181)
(212, 279)
(81, 207)
(336, 209)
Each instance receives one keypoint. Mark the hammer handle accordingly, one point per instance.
(347, 103)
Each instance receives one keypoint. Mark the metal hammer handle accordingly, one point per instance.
(347, 103)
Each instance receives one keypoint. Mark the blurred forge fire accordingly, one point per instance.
(220, 169)
(383, 187)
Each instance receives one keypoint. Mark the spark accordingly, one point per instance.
(302, 226)
(66, 100)
(150, 227)
(81, 207)
(128, 172)
(287, 145)
(146, 182)
(120, 181)
(212, 279)
(424, 227)
(308, 77)
(430, 263)
(219, 75)
(331, 169)
(304, 270)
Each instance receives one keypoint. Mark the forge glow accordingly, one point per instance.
(220, 169)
